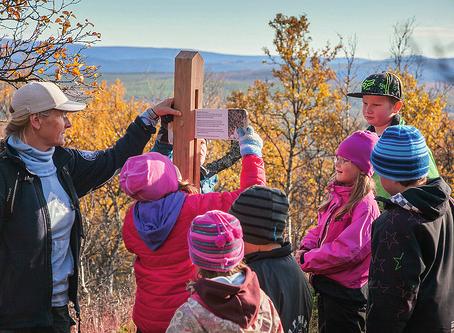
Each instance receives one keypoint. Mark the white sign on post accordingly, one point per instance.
(219, 123)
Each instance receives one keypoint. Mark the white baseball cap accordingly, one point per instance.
(37, 97)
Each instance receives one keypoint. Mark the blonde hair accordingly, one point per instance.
(363, 185)
(186, 186)
(17, 126)
(206, 274)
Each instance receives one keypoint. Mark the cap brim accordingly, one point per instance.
(357, 95)
(360, 95)
(71, 106)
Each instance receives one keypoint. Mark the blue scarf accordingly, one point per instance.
(154, 220)
(37, 162)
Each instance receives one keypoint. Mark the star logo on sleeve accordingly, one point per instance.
(390, 239)
(398, 261)
(377, 264)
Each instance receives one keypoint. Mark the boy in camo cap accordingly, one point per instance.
(382, 95)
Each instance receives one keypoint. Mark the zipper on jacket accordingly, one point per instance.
(326, 227)
(43, 202)
(14, 193)
(324, 233)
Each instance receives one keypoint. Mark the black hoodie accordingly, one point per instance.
(411, 278)
(284, 282)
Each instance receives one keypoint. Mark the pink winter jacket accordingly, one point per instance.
(162, 275)
(340, 250)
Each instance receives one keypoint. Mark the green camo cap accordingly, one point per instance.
(381, 84)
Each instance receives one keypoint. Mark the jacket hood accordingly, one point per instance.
(154, 220)
(237, 303)
(430, 200)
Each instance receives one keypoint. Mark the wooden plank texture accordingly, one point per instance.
(188, 94)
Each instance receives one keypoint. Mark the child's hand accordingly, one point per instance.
(163, 133)
(299, 255)
(250, 142)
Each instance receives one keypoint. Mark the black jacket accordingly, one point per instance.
(25, 235)
(411, 279)
(282, 279)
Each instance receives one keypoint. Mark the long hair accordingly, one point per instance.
(362, 186)
(186, 186)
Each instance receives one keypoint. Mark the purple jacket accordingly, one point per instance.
(341, 249)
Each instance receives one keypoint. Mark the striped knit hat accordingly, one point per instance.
(263, 213)
(401, 154)
(216, 241)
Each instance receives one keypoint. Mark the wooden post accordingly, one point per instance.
(188, 93)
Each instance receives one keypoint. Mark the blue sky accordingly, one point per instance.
(240, 27)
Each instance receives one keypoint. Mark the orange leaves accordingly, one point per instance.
(298, 117)
(33, 53)
(65, 26)
(60, 53)
(106, 118)
(14, 12)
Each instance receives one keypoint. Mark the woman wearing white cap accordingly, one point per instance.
(40, 220)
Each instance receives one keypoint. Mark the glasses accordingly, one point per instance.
(61, 114)
(340, 160)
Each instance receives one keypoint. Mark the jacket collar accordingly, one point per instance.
(340, 191)
(61, 155)
(283, 251)
(430, 200)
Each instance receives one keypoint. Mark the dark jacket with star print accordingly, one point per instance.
(411, 278)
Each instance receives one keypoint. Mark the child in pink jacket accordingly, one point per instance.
(156, 227)
(337, 252)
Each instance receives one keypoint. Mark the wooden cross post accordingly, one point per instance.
(188, 91)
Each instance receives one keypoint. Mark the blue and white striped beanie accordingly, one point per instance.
(401, 154)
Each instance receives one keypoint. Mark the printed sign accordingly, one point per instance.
(219, 123)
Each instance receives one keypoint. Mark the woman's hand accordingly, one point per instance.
(152, 115)
(165, 108)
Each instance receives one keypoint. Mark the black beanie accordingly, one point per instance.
(263, 214)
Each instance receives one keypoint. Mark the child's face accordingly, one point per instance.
(203, 151)
(379, 110)
(346, 171)
(390, 186)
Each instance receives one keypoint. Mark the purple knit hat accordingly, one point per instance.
(216, 241)
(357, 148)
(150, 176)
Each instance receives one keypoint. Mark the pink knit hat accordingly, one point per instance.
(216, 241)
(357, 148)
(149, 177)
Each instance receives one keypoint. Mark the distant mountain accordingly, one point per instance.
(115, 59)
(124, 59)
